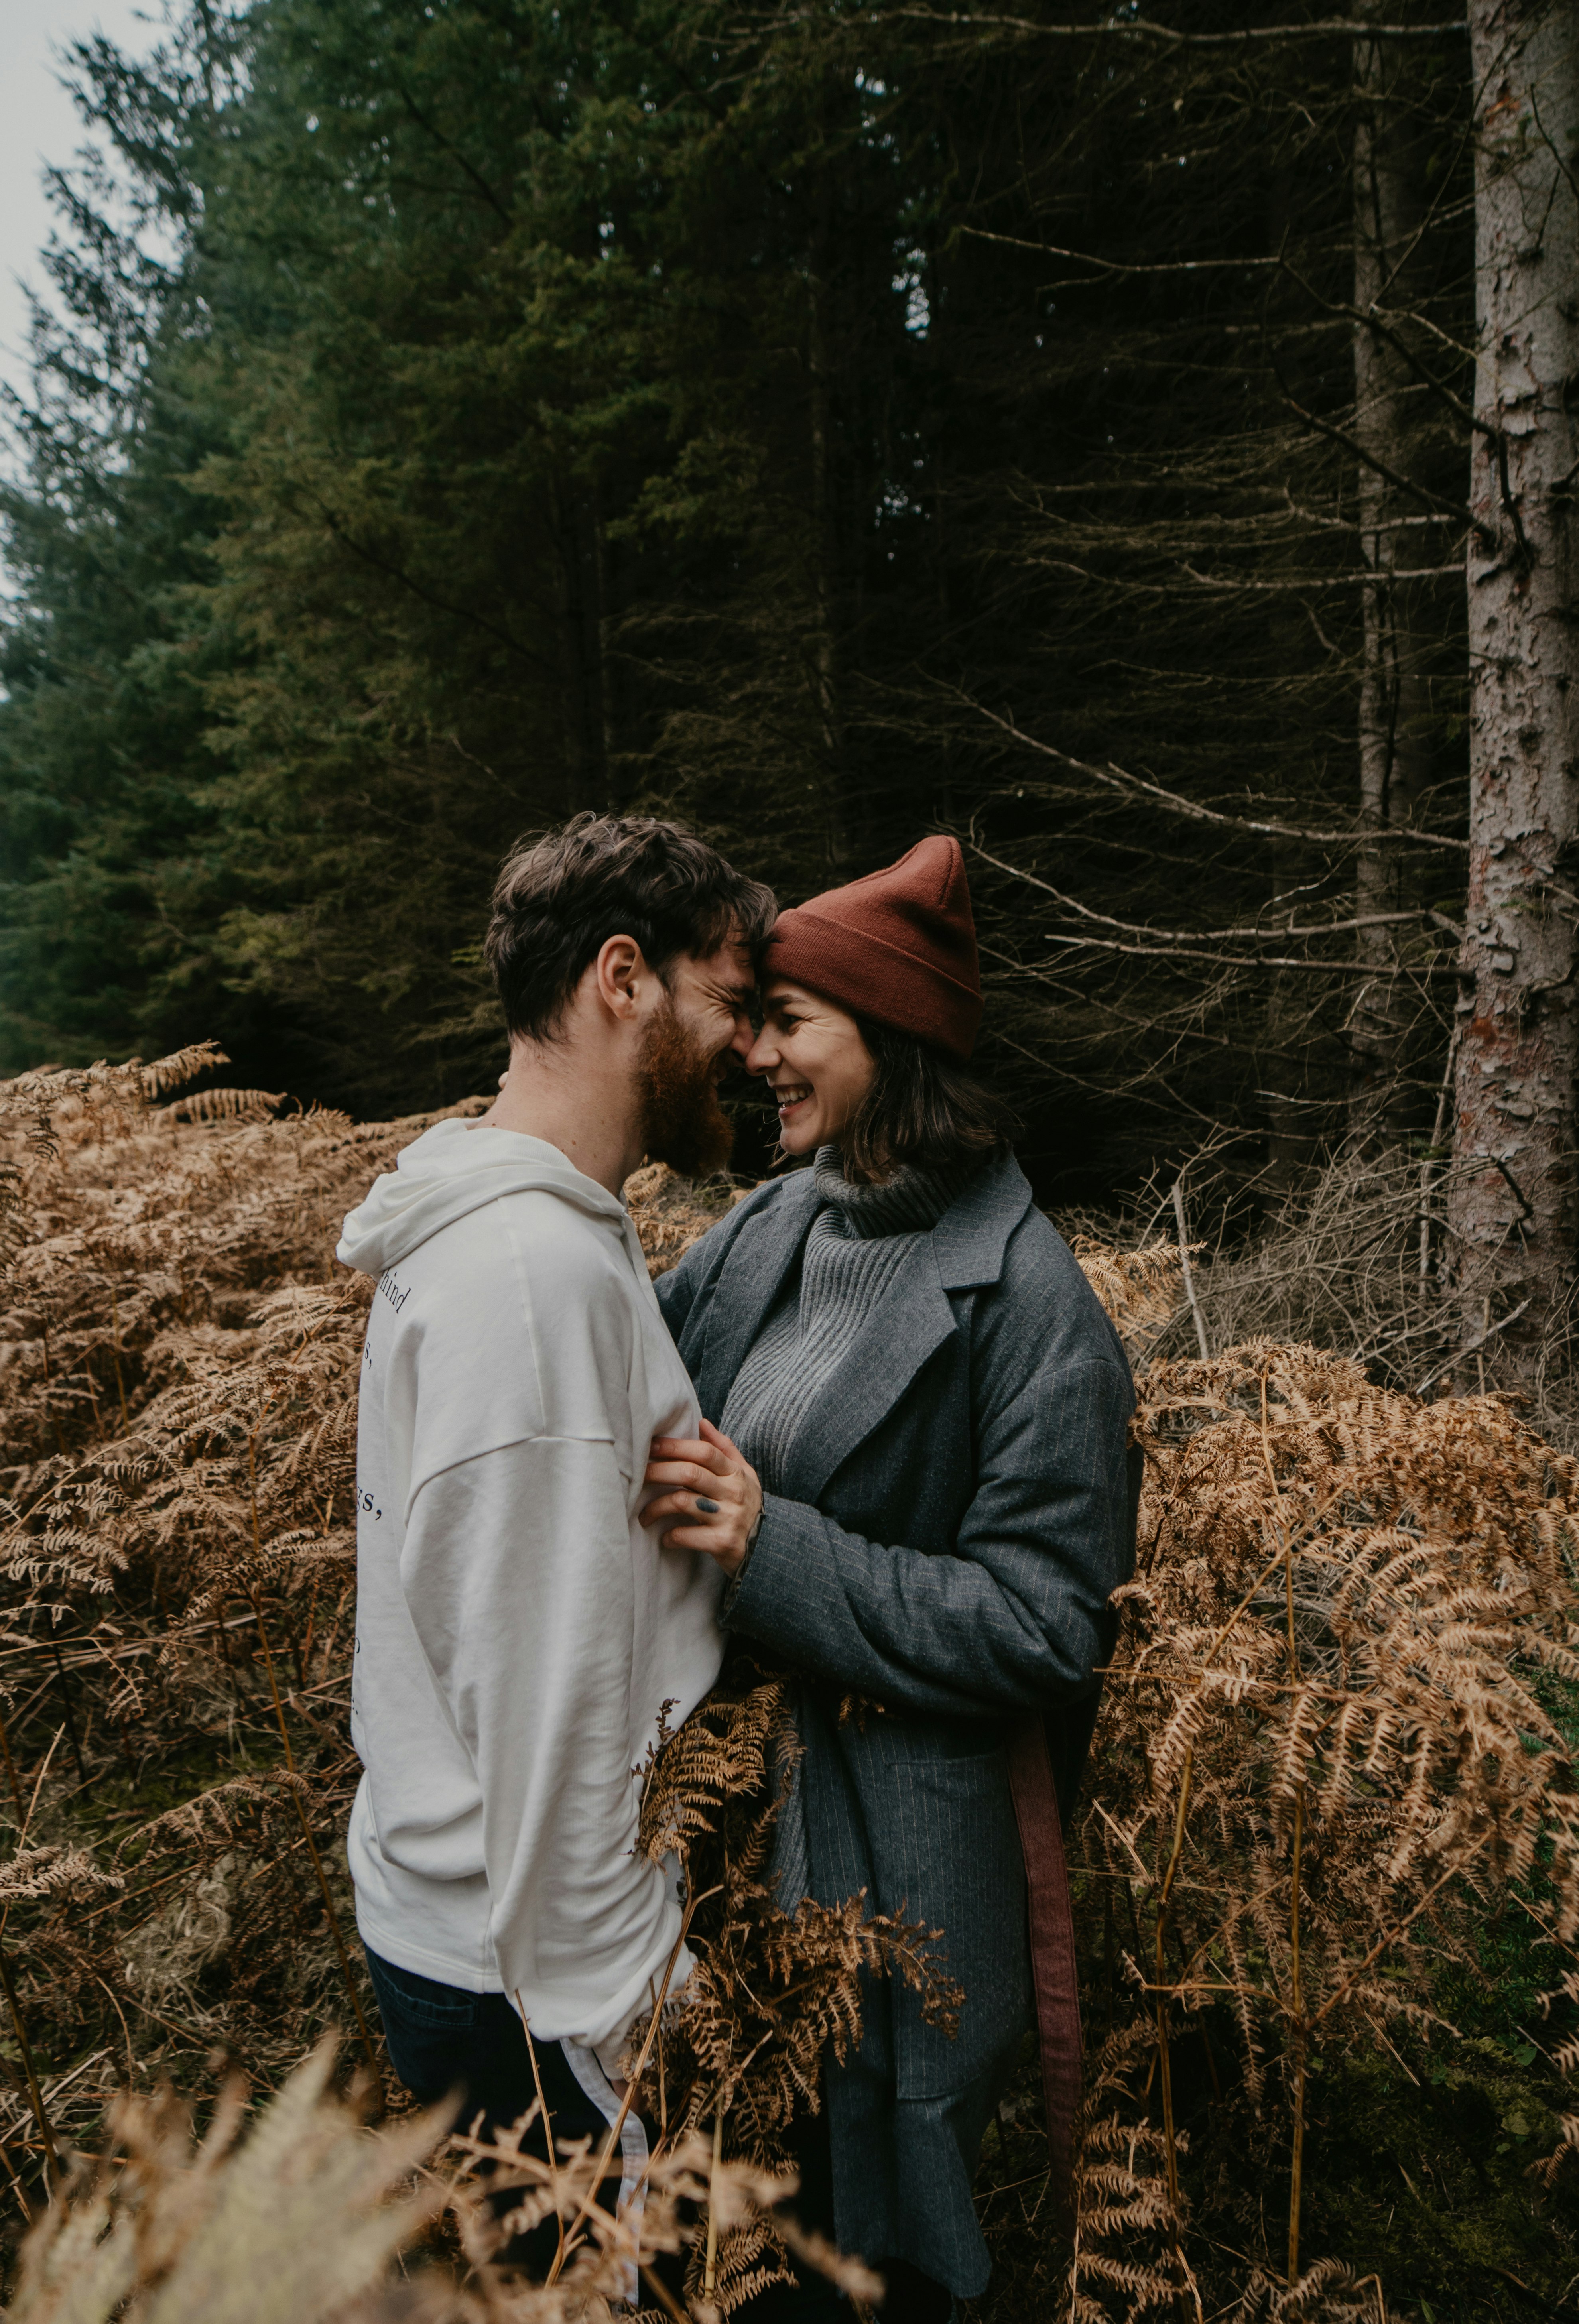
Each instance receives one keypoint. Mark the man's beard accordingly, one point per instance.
(682, 1121)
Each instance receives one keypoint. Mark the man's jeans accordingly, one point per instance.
(442, 2039)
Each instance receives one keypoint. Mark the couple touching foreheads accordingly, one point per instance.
(875, 1422)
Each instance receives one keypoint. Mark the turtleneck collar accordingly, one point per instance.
(909, 1203)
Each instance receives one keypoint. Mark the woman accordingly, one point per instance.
(914, 1477)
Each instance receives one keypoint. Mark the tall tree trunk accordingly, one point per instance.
(583, 635)
(1290, 1124)
(1511, 1201)
(1394, 748)
(825, 546)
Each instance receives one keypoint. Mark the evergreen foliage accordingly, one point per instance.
(823, 424)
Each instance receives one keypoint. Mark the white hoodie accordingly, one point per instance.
(517, 1631)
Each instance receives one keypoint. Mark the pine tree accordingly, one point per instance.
(109, 825)
(1511, 1208)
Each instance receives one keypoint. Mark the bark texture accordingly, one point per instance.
(1512, 1202)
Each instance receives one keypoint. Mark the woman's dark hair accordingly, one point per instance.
(923, 1109)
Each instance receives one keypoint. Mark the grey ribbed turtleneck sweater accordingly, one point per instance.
(855, 1246)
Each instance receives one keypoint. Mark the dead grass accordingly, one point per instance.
(1351, 1262)
(1334, 1745)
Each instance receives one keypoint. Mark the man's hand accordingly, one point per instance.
(711, 1489)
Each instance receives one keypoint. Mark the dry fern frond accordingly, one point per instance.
(1327, 2294)
(772, 1993)
(225, 1105)
(1139, 1288)
(285, 2230)
(1349, 1616)
(670, 1212)
(182, 1065)
(1332, 1658)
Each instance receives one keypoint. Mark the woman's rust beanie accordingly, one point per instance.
(898, 946)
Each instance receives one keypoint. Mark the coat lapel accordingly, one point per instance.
(913, 1318)
(749, 1282)
(908, 1324)
(973, 1235)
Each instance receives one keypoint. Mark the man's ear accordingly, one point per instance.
(619, 972)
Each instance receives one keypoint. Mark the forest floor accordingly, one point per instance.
(179, 1360)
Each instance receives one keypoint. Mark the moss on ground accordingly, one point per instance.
(1422, 2167)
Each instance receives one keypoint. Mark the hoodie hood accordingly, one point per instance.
(453, 1168)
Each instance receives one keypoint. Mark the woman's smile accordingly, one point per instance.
(803, 1030)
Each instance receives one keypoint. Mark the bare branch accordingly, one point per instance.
(1116, 779)
(1388, 473)
(1470, 1346)
(1302, 582)
(1142, 28)
(1114, 265)
(1210, 935)
(1370, 971)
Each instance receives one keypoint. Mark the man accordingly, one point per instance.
(519, 1632)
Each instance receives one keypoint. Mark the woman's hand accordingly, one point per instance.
(712, 1488)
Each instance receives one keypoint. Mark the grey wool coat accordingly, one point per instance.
(954, 1514)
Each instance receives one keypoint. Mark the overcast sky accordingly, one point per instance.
(39, 124)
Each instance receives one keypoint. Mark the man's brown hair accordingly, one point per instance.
(560, 896)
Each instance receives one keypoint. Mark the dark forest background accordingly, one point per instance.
(827, 424)
(1119, 441)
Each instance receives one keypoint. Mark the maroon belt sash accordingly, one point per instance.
(1052, 1946)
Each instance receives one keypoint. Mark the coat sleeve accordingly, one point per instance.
(1015, 1620)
